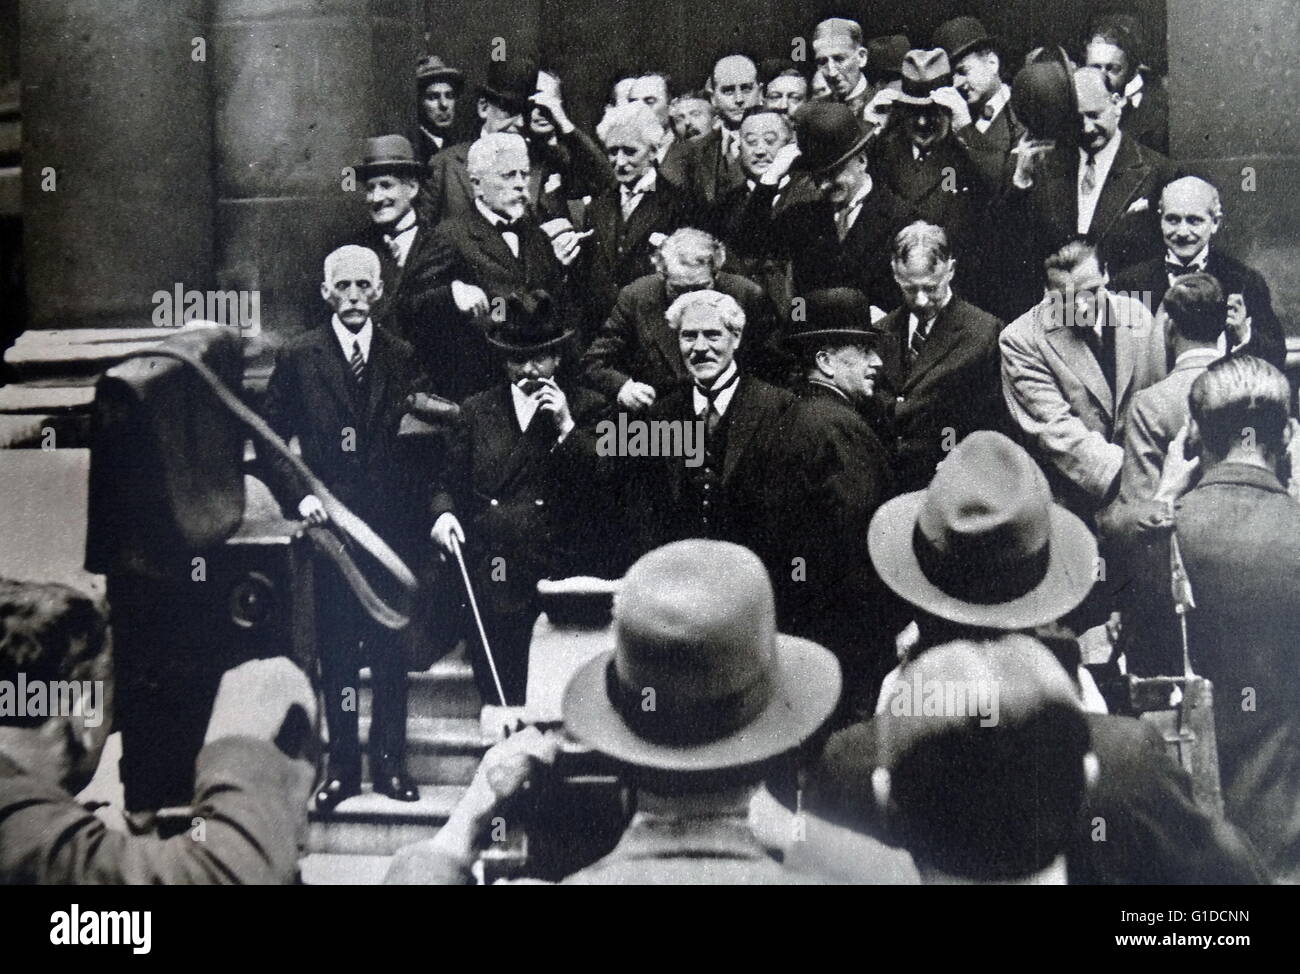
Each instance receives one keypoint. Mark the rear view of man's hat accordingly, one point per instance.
(511, 82)
(984, 545)
(828, 134)
(699, 680)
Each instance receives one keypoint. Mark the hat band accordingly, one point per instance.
(923, 89)
(662, 719)
(983, 582)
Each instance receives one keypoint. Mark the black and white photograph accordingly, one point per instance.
(650, 442)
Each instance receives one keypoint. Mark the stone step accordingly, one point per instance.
(439, 750)
(446, 689)
(330, 869)
(375, 825)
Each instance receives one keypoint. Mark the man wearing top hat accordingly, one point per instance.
(834, 474)
(439, 88)
(739, 416)
(988, 128)
(836, 226)
(983, 556)
(733, 697)
(521, 473)
(341, 389)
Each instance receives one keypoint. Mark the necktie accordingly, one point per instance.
(630, 198)
(919, 337)
(843, 222)
(357, 363)
(394, 247)
(1089, 176)
(712, 415)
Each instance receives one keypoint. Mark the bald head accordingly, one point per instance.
(1190, 213)
(735, 88)
(1099, 110)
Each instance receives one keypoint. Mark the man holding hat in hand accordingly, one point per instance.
(729, 697)
(520, 467)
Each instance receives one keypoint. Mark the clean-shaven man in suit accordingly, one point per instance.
(841, 58)
(1115, 47)
(634, 358)
(720, 494)
(341, 389)
(712, 164)
(836, 233)
(521, 472)
(1071, 366)
(632, 214)
(1103, 187)
(477, 259)
(940, 373)
(989, 130)
(439, 88)
(1190, 215)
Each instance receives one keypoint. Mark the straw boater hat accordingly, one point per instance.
(699, 680)
(984, 545)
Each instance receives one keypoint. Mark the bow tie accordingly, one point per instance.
(510, 226)
(1179, 270)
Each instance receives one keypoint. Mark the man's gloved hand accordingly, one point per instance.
(444, 529)
(311, 509)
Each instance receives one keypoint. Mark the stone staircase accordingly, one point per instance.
(354, 843)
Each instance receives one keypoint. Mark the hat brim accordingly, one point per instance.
(904, 99)
(450, 75)
(849, 336)
(417, 170)
(806, 692)
(801, 163)
(534, 349)
(985, 41)
(1069, 578)
(515, 102)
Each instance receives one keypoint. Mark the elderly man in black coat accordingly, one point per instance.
(830, 475)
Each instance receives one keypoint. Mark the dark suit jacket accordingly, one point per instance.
(953, 389)
(990, 150)
(830, 474)
(405, 304)
(804, 232)
(709, 174)
(635, 341)
(1149, 122)
(1155, 833)
(244, 791)
(452, 346)
(523, 496)
(1239, 534)
(313, 395)
(753, 420)
(1266, 338)
(620, 251)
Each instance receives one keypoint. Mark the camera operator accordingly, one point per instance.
(698, 699)
(250, 798)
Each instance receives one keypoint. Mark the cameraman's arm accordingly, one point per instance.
(508, 770)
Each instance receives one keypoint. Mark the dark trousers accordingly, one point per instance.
(509, 634)
(348, 639)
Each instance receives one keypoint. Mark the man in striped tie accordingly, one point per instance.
(341, 389)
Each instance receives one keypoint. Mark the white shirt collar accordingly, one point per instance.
(347, 340)
(525, 406)
(645, 184)
(1133, 90)
(854, 205)
(859, 89)
(724, 397)
(402, 234)
(914, 322)
(1199, 261)
(492, 217)
(1103, 160)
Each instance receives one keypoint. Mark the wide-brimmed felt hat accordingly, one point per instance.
(828, 133)
(431, 68)
(961, 35)
(984, 545)
(530, 326)
(922, 73)
(885, 54)
(837, 314)
(389, 155)
(699, 680)
(511, 82)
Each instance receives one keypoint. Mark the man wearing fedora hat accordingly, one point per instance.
(985, 557)
(835, 475)
(696, 703)
(520, 471)
(988, 129)
(439, 88)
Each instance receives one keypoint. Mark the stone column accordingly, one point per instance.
(117, 119)
(297, 86)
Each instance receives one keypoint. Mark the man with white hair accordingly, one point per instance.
(633, 213)
(341, 389)
(713, 162)
(634, 357)
(1190, 215)
(739, 416)
(477, 259)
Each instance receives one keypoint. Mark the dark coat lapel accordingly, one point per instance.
(1123, 186)
(332, 370)
(1060, 182)
(746, 414)
(945, 335)
(490, 242)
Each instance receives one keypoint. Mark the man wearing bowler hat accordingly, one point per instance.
(984, 556)
(696, 702)
(989, 128)
(836, 226)
(521, 472)
(439, 88)
(834, 474)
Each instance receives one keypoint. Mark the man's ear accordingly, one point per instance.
(379, 287)
(482, 108)
(325, 290)
(823, 362)
(862, 57)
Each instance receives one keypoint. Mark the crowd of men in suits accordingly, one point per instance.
(967, 364)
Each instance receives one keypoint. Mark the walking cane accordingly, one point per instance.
(478, 619)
